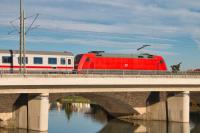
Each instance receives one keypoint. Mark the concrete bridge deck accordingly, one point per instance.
(97, 83)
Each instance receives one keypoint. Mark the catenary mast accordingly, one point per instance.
(22, 49)
(24, 44)
(20, 36)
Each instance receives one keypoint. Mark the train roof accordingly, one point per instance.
(103, 54)
(39, 52)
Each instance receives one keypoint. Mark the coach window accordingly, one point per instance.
(26, 60)
(52, 61)
(62, 61)
(38, 60)
(69, 61)
(6, 59)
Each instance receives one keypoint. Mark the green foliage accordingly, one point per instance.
(75, 99)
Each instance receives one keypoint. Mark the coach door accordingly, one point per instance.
(69, 63)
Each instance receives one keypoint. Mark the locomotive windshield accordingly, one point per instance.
(78, 58)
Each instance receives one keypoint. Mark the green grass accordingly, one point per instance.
(75, 99)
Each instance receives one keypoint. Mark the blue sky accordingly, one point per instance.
(171, 27)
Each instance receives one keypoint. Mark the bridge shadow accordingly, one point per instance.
(21, 101)
(153, 98)
(116, 126)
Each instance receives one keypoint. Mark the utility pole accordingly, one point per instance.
(20, 37)
(24, 44)
(22, 54)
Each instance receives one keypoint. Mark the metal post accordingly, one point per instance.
(21, 35)
(24, 44)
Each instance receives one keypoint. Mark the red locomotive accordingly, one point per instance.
(99, 60)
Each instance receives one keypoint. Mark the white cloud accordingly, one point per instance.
(89, 42)
(170, 18)
(197, 42)
(152, 14)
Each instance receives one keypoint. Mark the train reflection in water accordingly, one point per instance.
(83, 117)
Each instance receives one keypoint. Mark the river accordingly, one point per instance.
(86, 118)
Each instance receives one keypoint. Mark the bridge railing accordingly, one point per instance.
(134, 72)
(102, 73)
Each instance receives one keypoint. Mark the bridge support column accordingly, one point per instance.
(156, 111)
(20, 111)
(156, 106)
(178, 107)
(22, 117)
(38, 108)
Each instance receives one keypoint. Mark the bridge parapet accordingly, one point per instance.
(99, 76)
(103, 72)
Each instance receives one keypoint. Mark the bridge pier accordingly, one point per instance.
(33, 113)
(178, 107)
(38, 109)
(22, 117)
(156, 111)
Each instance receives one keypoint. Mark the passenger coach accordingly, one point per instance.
(37, 61)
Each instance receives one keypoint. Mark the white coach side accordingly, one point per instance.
(37, 61)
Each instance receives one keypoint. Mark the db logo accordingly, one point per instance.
(125, 65)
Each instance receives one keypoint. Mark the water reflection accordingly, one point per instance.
(81, 118)
(195, 122)
(90, 111)
(196, 129)
(116, 126)
(164, 127)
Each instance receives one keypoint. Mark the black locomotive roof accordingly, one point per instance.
(103, 54)
(38, 52)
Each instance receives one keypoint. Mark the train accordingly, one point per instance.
(99, 60)
(37, 61)
(67, 62)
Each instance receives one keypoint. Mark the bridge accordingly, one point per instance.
(25, 98)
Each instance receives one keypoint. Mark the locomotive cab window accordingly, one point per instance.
(69, 61)
(150, 56)
(52, 61)
(22, 60)
(140, 57)
(38, 60)
(62, 61)
(88, 59)
(6, 59)
(78, 58)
